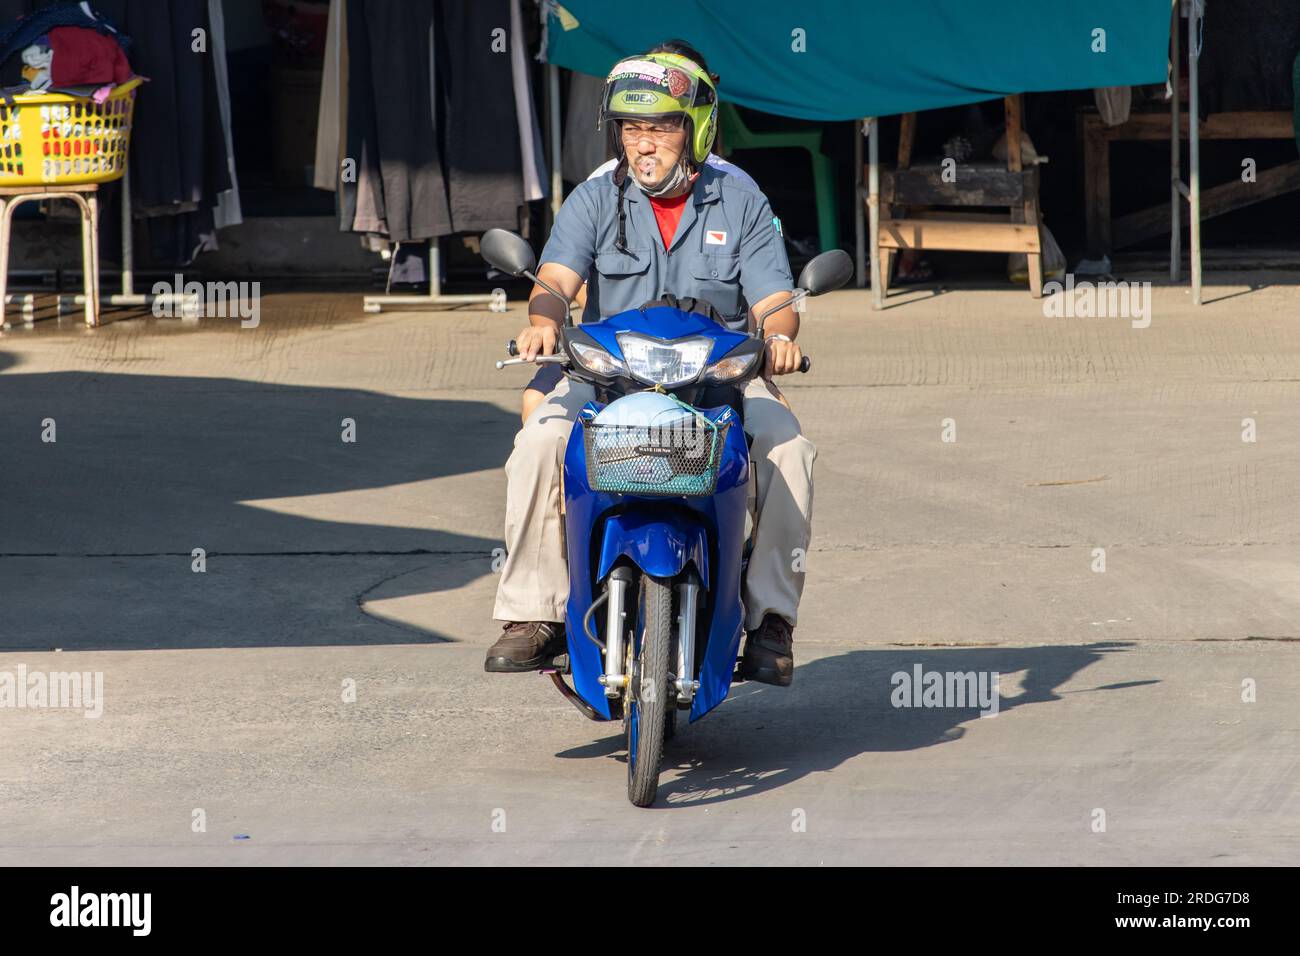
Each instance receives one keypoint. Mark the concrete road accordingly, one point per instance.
(1148, 713)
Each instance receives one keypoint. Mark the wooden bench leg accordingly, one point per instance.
(87, 257)
(92, 200)
(1034, 260)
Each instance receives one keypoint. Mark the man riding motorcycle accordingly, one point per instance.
(662, 222)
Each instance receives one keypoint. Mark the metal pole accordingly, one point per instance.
(1194, 143)
(128, 250)
(873, 208)
(1175, 155)
(553, 96)
(859, 195)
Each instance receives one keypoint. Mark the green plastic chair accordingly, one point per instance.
(736, 135)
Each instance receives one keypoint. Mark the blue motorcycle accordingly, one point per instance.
(657, 484)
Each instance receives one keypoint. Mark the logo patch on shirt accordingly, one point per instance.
(715, 237)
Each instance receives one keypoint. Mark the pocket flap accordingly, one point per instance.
(630, 263)
(722, 267)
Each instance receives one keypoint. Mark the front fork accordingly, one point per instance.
(688, 597)
(618, 586)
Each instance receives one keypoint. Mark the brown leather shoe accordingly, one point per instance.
(524, 646)
(769, 653)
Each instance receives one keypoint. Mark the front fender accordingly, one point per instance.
(660, 545)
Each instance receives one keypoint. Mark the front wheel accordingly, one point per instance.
(647, 692)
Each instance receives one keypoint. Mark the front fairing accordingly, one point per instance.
(659, 322)
(705, 532)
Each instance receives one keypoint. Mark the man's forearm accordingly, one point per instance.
(785, 322)
(545, 309)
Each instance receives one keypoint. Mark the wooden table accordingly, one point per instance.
(1010, 186)
(1105, 235)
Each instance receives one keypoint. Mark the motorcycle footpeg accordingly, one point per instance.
(558, 664)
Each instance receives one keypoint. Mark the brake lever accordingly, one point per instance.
(540, 360)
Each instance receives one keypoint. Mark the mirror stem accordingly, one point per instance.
(798, 294)
(568, 315)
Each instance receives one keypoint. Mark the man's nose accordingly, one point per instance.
(645, 145)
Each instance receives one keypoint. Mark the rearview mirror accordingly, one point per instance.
(508, 252)
(827, 272)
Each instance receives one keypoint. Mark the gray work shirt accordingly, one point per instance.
(727, 250)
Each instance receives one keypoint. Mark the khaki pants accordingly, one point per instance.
(534, 582)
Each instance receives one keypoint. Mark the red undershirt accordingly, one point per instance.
(668, 213)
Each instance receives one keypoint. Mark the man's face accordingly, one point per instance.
(653, 148)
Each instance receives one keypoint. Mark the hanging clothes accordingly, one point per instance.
(1247, 55)
(331, 116)
(585, 147)
(530, 133)
(399, 189)
(228, 210)
(441, 140)
(477, 122)
(181, 156)
(1114, 103)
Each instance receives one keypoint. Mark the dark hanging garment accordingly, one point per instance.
(477, 122)
(358, 212)
(1247, 55)
(179, 159)
(431, 120)
(400, 191)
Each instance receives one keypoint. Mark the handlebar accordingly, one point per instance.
(512, 349)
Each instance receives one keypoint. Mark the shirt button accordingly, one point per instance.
(715, 273)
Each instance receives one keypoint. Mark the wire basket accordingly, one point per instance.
(55, 139)
(644, 460)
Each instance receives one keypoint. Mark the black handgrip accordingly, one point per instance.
(512, 348)
(806, 364)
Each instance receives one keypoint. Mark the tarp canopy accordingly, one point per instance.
(847, 59)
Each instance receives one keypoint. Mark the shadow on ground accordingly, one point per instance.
(763, 738)
(154, 466)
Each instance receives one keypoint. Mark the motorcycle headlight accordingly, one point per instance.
(597, 360)
(657, 362)
(731, 368)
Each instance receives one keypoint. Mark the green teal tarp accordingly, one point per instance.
(847, 59)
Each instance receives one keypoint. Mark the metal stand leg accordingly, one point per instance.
(180, 305)
(860, 193)
(88, 239)
(1175, 156)
(1194, 143)
(374, 304)
(4, 257)
(873, 208)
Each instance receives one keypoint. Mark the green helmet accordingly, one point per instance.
(661, 86)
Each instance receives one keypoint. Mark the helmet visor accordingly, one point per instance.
(643, 88)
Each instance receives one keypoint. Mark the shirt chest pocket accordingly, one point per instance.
(717, 279)
(624, 280)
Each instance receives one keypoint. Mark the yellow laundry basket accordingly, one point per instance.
(53, 139)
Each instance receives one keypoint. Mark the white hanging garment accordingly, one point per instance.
(227, 211)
